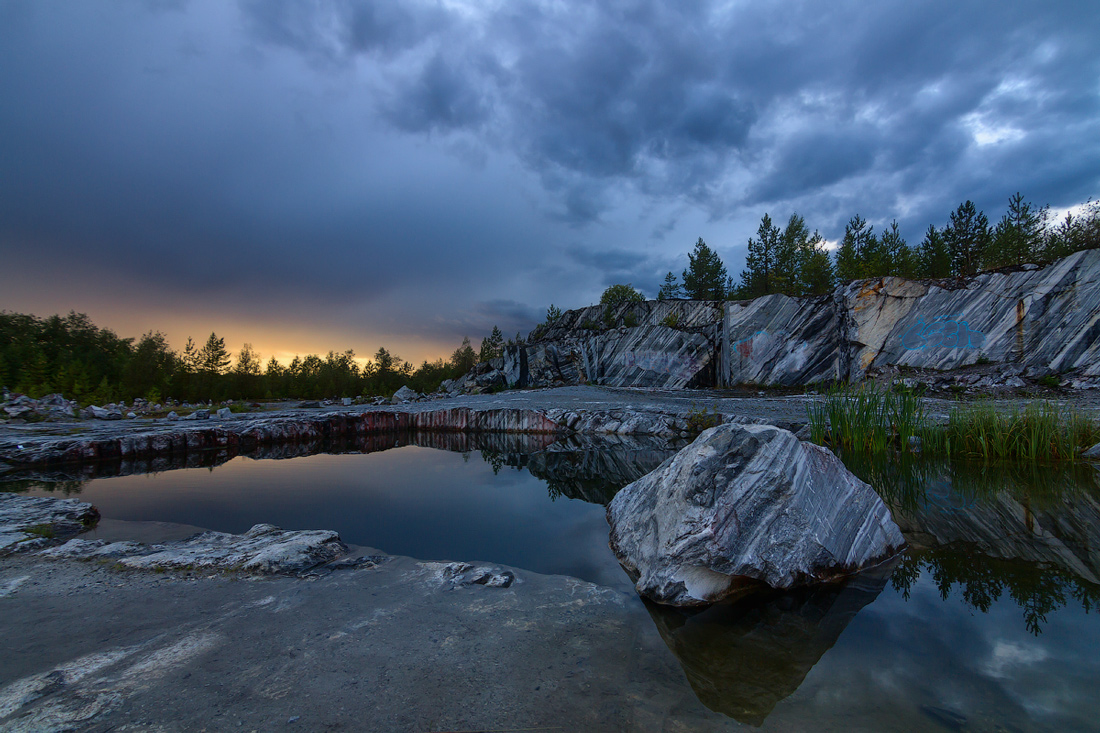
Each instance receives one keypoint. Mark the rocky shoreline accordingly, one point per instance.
(130, 442)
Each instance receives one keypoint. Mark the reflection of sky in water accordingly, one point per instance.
(429, 504)
(926, 660)
(916, 663)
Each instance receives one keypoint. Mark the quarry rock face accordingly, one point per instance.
(744, 505)
(780, 340)
(1038, 321)
(1046, 320)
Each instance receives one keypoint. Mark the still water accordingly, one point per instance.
(987, 623)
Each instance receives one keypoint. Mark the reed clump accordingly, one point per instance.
(1038, 431)
(868, 418)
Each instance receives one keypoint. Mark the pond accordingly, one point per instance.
(986, 623)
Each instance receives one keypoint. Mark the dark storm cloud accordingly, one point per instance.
(794, 98)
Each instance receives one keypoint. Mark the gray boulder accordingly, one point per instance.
(404, 395)
(224, 413)
(262, 549)
(745, 505)
(1093, 453)
(105, 413)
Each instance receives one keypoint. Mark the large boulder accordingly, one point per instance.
(405, 394)
(745, 505)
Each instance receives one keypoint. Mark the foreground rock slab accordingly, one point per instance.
(33, 524)
(743, 505)
(264, 549)
(29, 522)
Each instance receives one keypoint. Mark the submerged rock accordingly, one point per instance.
(743, 505)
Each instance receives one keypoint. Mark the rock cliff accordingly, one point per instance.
(1028, 322)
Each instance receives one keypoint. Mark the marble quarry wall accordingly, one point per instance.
(1032, 320)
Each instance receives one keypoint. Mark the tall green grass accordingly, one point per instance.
(865, 418)
(1038, 431)
(868, 418)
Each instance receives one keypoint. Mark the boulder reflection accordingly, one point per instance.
(742, 658)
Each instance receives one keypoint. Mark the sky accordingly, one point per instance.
(313, 176)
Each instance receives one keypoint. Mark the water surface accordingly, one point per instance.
(988, 622)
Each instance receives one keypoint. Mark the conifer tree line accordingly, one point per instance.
(793, 261)
(72, 356)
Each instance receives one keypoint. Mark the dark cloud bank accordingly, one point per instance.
(453, 162)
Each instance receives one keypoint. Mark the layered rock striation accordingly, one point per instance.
(746, 505)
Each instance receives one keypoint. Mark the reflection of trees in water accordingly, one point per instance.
(1036, 588)
(67, 487)
(1026, 531)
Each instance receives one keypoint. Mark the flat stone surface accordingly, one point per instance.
(393, 646)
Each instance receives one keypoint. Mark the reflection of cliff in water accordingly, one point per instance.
(1027, 530)
(743, 658)
(592, 469)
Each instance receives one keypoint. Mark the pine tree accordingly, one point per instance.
(214, 358)
(788, 260)
(190, 358)
(853, 250)
(933, 257)
(759, 276)
(1018, 236)
(492, 345)
(899, 258)
(816, 276)
(464, 358)
(670, 289)
(967, 238)
(705, 278)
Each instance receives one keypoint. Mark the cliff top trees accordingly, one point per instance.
(759, 276)
(1018, 236)
(933, 257)
(619, 294)
(670, 288)
(464, 357)
(967, 238)
(859, 237)
(705, 278)
(492, 345)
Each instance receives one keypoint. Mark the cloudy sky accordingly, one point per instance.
(318, 175)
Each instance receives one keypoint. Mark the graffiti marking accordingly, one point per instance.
(943, 332)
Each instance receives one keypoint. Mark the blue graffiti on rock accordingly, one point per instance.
(945, 332)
